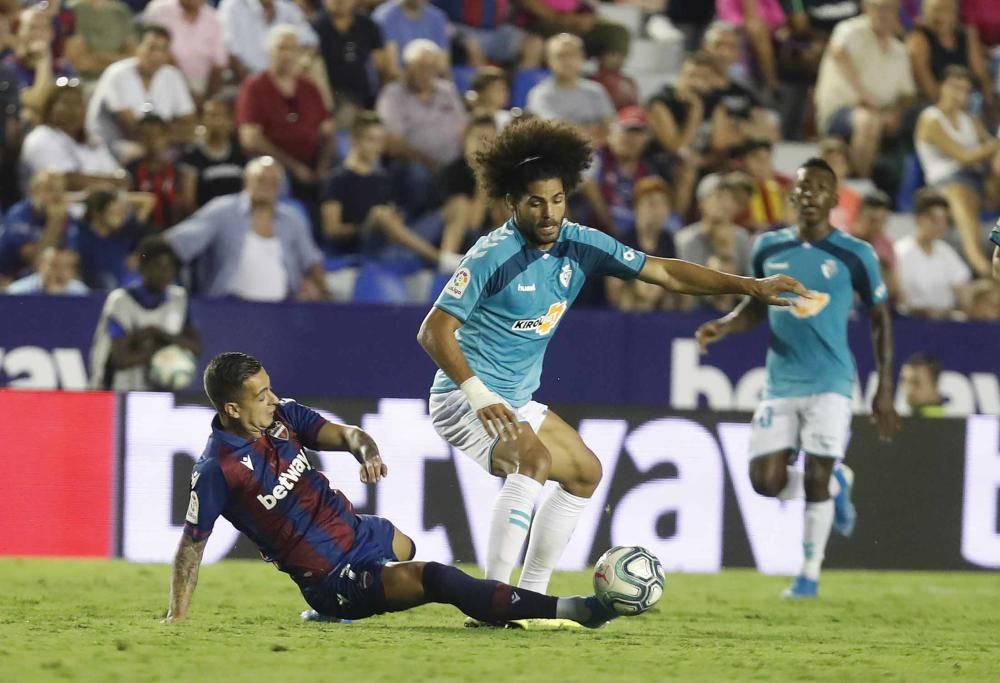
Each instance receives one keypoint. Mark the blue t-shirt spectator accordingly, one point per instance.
(400, 27)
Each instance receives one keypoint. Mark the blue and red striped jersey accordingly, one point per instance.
(268, 489)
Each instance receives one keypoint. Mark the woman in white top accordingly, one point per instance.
(961, 160)
(60, 144)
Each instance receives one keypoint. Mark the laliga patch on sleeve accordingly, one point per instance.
(192, 513)
(458, 283)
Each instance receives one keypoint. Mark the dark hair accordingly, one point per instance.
(651, 184)
(487, 76)
(753, 144)
(225, 375)
(150, 118)
(928, 199)
(60, 88)
(957, 71)
(364, 120)
(156, 29)
(816, 162)
(529, 151)
(152, 248)
(876, 199)
(96, 202)
(925, 360)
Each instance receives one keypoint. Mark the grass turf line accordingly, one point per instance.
(99, 621)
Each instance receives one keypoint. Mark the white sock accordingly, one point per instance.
(795, 489)
(553, 527)
(509, 525)
(815, 532)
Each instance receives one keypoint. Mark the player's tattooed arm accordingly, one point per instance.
(883, 410)
(335, 437)
(748, 314)
(184, 577)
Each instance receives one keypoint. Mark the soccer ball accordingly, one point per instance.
(172, 368)
(629, 580)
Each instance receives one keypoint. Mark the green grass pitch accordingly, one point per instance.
(99, 621)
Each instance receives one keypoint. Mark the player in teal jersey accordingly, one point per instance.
(995, 238)
(489, 329)
(810, 369)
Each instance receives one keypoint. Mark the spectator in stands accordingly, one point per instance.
(213, 165)
(424, 118)
(652, 234)
(691, 17)
(250, 245)
(359, 208)
(104, 33)
(873, 216)
(960, 159)
(834, 152)
(350, 43)
(196, 41)
(761, 20)
(747, 114)
(566, 96)
(617, 167)
(10, 132)
(139, 320)
(155, 172)
(38, 221)
(980, 300)
(548, 18)
(60, 143)
(622, 89)
(133, 87)
(55, 273)
(715, 236)
(32, 60)
(489, 95)
(982, 14)
(820, 17)
(768, 202)
(245, 25)
(930, 270)
(865, 83)
(919, 378)
(403, 21)
(112, 226)
(281, 113)
(465, 207)
(939, 41)
(485, 31)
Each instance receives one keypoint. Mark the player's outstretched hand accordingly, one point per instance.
(499, 420)
(884, 415)
(708, 333)
(769, 289)
(373, 469)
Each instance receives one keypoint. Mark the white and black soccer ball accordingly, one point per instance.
(629, 579)
(172, 368)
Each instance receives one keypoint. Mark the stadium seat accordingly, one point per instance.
(463, 75)
(653, 56)
(524, 80)
(378, 285)
(439, 282)
(629, 16)
(912, 180)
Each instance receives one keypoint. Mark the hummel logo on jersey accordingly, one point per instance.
(247, 462)
(526, 288)
(514, 598)
(542, 324)
(778, 265)
(286, 481)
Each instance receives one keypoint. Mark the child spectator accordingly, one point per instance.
(156, 173)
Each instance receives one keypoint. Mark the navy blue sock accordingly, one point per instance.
(484, 600)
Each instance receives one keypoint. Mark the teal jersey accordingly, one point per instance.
(995, 234)
(809, 353)
(511, 296)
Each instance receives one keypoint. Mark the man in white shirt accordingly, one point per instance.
(133, 87)
(865, 83)
(930, 270)
(245, 24)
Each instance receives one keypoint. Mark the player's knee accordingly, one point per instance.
(535, 461)
(816, 481)
(766, 479)
(403, 546)
(587, 474)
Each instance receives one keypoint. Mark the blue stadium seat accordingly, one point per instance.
(463, 75)
(524, 80)
(378, 285)
(439, 282)
(912, 180)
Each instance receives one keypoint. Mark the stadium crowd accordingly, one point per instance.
(323, 149)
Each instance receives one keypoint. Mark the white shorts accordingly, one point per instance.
(456, 422)
(816, 424)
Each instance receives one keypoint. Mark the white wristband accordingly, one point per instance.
(478, 395)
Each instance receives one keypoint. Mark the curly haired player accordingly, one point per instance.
(489, 328)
